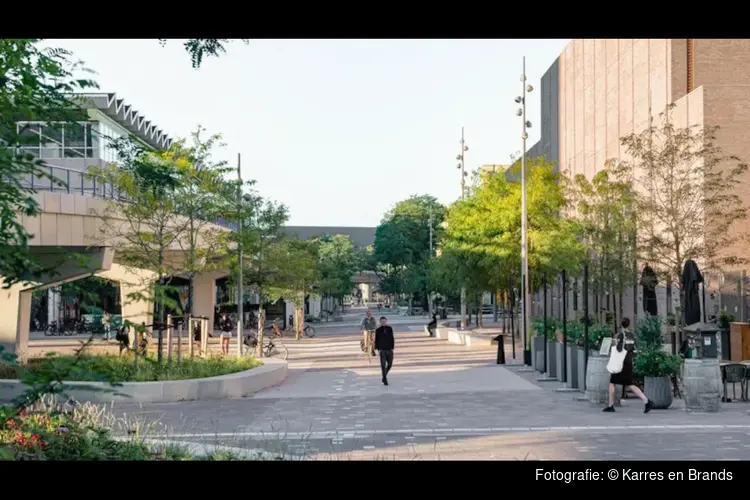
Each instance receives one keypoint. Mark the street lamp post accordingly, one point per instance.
(524, 218)
(240, 312)
(462, 166)
(429, 293)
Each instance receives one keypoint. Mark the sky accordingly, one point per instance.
(338, 130)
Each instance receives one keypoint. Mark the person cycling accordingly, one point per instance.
(368, 328)
(276, 329)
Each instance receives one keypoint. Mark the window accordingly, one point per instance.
(51, 140)
(75, 140)
(59, 140)
(28, 138)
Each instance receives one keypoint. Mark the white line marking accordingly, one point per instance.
(485, 430)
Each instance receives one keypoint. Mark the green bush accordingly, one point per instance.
(118, 369)
(648, 332)
(654, 362)
(538, 326)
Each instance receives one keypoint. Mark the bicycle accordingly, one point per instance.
(270, 349)
(308, 331)
(366, 345)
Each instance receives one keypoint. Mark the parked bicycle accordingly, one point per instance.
(270, 348)
(307, 330)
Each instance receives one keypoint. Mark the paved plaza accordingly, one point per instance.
(444, 402)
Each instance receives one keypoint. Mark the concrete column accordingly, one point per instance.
(53, 304)
(205, 297)
(134, 285)
(15, 316)
(136, 311)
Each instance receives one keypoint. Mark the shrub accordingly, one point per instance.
(648, 332)
(118, 369)
(538, 326)
(654, 362)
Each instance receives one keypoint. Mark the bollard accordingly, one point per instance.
(500, 339)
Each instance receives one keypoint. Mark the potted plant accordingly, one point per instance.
(657, 367)
(653, 363)
(574, 334)
(549, 337)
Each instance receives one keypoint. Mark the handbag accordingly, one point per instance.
(616, 359)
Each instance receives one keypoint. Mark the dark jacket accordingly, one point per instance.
(226, 325)
(384, 338)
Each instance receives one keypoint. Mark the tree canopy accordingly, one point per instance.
(402, 243)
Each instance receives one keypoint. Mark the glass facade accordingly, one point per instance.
(68, 140)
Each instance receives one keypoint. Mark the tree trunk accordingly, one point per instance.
(261, 325)
(298, 320)
(160, 304)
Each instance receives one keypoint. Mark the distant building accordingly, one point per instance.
(362, 237)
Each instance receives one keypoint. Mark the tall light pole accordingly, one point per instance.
(429, 293)
(525, 310)
(240, 311)
(462, 166)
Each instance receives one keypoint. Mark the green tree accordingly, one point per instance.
(146, 228)
(202, 195)
(402, 244)
(201, 48)
(485, 228)
(489, 222)
(297, 261)
(263, 249)
(605, 210)
(338, 262)
(35, 84)
(687, 197)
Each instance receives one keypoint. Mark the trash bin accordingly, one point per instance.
(500, 339)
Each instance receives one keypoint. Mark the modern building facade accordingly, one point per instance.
(72, 221)
(600, 90)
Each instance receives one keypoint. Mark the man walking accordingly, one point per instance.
(368, 329)
(384, 343)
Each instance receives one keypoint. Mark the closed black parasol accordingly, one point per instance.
(649, 282)
(691, 276)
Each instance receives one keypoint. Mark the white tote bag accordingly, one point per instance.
(616, 359)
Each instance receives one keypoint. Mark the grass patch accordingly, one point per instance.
(123, 369)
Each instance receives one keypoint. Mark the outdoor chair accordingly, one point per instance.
(734, 374)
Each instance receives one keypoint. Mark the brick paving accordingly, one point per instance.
(444, 402)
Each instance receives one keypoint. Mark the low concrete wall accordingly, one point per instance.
(236, 385)
(456, 336)
(480, 340)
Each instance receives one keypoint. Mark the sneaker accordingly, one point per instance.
(609, 409)
(649, 406)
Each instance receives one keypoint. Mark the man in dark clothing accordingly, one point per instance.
(384, 343)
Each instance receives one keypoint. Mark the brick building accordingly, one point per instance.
(598, 91)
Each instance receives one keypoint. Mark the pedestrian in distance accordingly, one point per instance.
(226, 326)
(107, 322)
(625, 340)
(367, 328)
(384, 343)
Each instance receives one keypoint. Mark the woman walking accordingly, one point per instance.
(625, 340)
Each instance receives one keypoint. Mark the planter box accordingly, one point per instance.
(551, 358)
(659, 391)
(580, 355)
(573, 379)
(538, 356)
(559, 361)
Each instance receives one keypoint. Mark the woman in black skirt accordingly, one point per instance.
(625, 340)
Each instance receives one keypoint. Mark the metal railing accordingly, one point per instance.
(70, 181)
